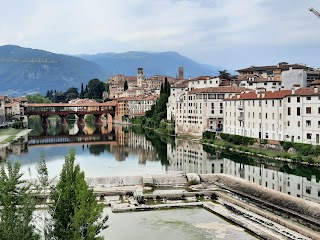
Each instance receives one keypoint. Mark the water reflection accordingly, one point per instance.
(290, 178)
(106, 150)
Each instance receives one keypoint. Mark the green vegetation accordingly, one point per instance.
(8, 135)
(17, 205)
(93, 90)
(37, 98)
(75, 211)
(236, 139)
(158, 112)
(304, 149)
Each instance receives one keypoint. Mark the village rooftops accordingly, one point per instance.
(281, 66)
(138, 98)
(203, 78)
(11, 104)
(180, 84)
(261, 95)
(223, 89)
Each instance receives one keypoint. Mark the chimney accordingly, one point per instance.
(181, 73)
(295, 87)
(316, 89)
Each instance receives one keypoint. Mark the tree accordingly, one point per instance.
(71, 93)
(125, 85)
(75, 211)
(81, 95)
(17, 205)
(224, 75)
(37, 98)
(95, 89)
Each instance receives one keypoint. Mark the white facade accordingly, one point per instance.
(257, 114)
(286, 115)
(139, 105)
(292, 77)
(202, 109)
(175, 92)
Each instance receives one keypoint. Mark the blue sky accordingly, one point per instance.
(227, 33)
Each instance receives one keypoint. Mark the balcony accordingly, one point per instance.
(241, 118)
(241, 107)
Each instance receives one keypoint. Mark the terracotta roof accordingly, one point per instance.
(139, 98)
(262, 95)
(131, 78)
(180, 84)
(202, 78)
(12, 104)
(281, 66)
(309, 91)
(226, 89)
(19, 99)
(315, 82)
(89, 104)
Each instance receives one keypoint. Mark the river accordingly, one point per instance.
(106, 150)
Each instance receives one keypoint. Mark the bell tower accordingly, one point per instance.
(140, 77)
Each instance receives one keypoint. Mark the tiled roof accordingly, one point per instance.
(315, 82)
(180, 84)
(262, 95)
(139, 98)
(202, 78)
(19, 99)
(281, 66)
(226, 89)
(12, 104)
(309, 91)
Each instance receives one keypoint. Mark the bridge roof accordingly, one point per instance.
(87, 104)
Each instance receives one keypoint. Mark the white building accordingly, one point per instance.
(258, 114)
(286, 115)
(137, 106)
(255, 81)
(201, 109)
(176, 91)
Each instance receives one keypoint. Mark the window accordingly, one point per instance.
(298, 99)
(308, 123)
(259, 115)
(266, 115)
(289, 111)
(288, 124)
(272, 103)
(298, 123)
(280, 116)
(318, 124)
(308, 109)
(280, 103)
(272, 116)
(298, 111)
(309, 135)
(318, 110)
(308, 98)
(289, 99)
(259, 103)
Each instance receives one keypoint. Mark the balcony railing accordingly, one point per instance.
(241, 118)
(240, 107)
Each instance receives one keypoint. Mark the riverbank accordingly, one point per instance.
(8, 135)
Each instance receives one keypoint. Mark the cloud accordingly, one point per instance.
(200, 29)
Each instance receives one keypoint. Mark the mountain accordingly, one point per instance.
(164, 63)
(20, 78)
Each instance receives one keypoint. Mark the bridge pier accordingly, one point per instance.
(44, 119)
(63, 119)
(97, 118)
(80, 119)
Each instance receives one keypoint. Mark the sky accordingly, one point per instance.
(226, 33)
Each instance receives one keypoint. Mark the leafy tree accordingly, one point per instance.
(125, 85)
(224, 75)
(95, 89)
(74, 210)
(71, 93)
(37, 98)
(17, 205)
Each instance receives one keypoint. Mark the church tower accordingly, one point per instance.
(140, 77)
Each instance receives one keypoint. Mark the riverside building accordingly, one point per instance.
(285, 115)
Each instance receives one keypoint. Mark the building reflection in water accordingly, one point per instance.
(17, 148)
(189, 156)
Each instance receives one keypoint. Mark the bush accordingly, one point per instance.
(209, 135)
(236, 139)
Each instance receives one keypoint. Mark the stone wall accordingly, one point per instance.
(304, 208)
